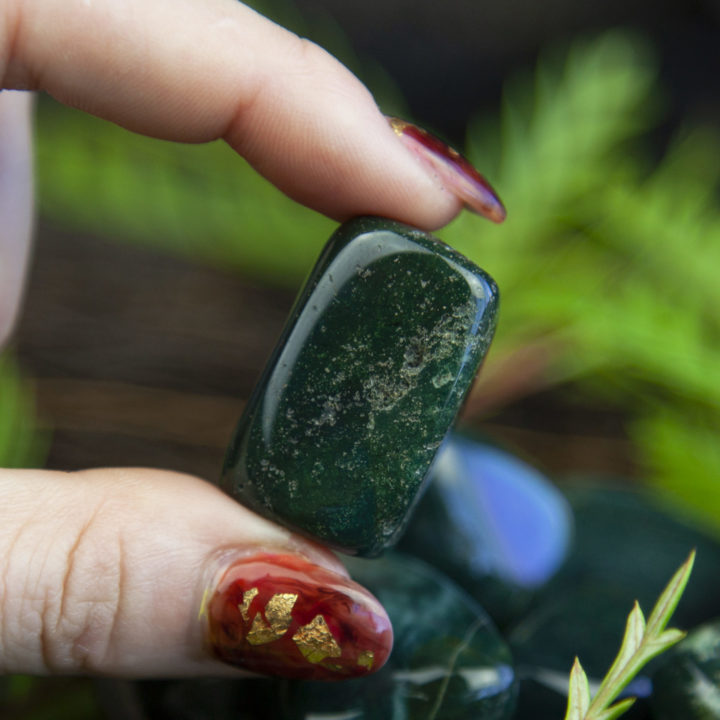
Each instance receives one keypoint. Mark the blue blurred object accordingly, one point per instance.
(517, 524)
(491, 522)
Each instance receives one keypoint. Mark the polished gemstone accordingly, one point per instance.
(492, 523)
(368, 376)
(687, 685)
(448, 660)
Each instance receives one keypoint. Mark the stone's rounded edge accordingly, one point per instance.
(369, 224)
(231, 480)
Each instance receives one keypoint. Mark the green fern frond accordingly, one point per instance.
(682, 454)
(201, 201)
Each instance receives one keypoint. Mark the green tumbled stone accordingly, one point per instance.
(370, 371)
(448, 661)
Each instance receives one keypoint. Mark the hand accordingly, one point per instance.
(110, 571)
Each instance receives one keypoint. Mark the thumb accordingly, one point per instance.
(143, 573)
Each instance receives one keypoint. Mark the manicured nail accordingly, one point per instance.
(282, 615)
(455, 172)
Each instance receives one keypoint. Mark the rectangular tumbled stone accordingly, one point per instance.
(367, 378)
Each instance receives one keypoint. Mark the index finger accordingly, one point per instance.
(197, 71)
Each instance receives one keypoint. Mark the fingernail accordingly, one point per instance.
(282, 615)
(455, 172)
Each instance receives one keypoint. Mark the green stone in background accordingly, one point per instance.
(448, 661)
(687, 685)
(368, 376)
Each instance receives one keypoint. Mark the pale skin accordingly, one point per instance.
(103, 571)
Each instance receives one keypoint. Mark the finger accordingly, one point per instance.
(16, 203)
(148, 573)
(196, 71)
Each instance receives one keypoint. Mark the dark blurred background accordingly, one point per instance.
(451, 59)
(162, 274)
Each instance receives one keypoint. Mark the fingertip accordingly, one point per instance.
(293, 111)
(318, 135)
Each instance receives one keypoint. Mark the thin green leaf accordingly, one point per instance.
(632, 641)
(661, 644)
(578, 693)
(616, 710)
(672, 636)
(642, 642)
(666, 604)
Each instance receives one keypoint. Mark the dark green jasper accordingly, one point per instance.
(370, 371)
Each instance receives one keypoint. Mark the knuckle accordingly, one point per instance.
(81, 607)
(63, 584)
(310, 67)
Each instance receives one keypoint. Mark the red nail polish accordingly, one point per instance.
(455, 172)
(282, 615)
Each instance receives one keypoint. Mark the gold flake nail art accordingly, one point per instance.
(316, 642)
(282, 615)
(278, 610)
(277, 613)
(366, 659)
(248, 596)
(260, 632)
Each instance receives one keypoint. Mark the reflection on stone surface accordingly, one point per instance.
(492, 523)
(448, 660)
(369, 373)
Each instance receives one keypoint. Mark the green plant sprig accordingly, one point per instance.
(641, 643)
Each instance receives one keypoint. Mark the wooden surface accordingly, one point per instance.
(145, 359)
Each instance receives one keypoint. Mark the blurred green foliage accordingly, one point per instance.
(608, 257)
(20, 443)
(32, 698)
